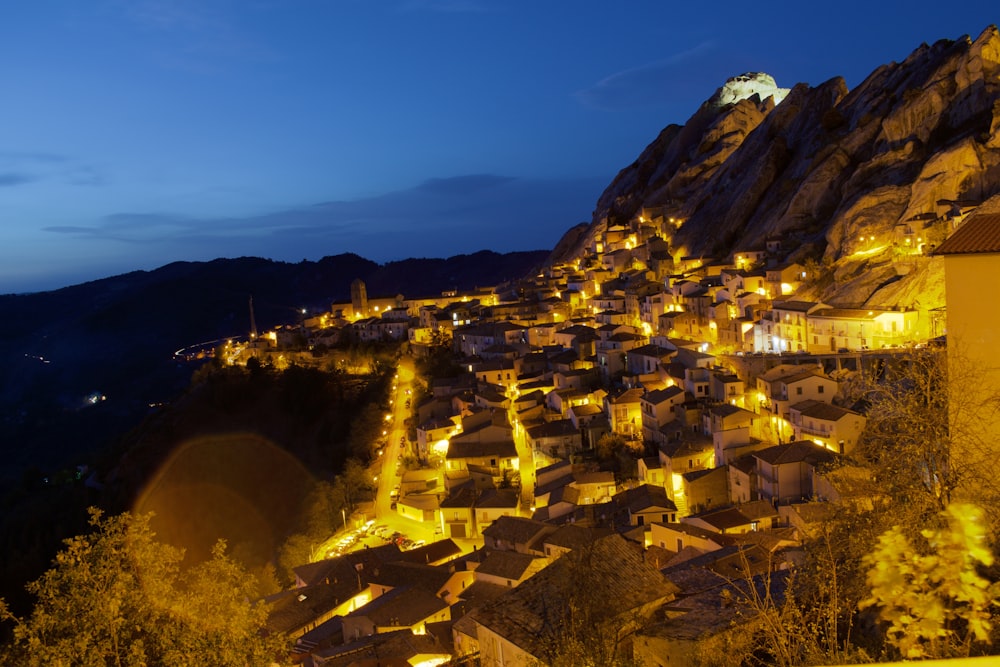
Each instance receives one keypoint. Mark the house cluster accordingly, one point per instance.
(631, 277)
(630, 353)
(662, 582)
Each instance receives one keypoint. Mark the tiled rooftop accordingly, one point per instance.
(979, 234)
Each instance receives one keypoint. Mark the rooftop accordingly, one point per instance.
(611, 574)
(979, 234)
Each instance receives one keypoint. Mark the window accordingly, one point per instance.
(798, 391)
(820, 389)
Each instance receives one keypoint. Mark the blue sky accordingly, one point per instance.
(140, 132)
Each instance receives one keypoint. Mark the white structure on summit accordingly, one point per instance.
(747, 85)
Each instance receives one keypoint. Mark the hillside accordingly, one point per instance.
(91, 380)
(116, 337)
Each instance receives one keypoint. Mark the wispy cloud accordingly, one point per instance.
(439, 217)
(22, 167)
(447, 6)
(85, 175)
(30, 156)
(202, 36)
(130, 228)
(653, 84)
(171, 15)
(462, 185)
(13, 178)
(75, 230)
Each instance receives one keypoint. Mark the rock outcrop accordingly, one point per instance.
(844, 177)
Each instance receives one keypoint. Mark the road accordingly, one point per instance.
(526, 465)
(390, 465)
(388, 468)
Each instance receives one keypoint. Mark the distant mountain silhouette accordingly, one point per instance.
(115, 337)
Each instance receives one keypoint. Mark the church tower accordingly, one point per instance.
(359, 298)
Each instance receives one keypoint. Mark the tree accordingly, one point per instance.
(583, 618)
(298, 549)
(323, 508)
(366, 431)
(933, 599)
(829, 585)
(118, 596)
(439, 360)
(912, 470)
(609, 445)
(906, 440)
(355, 481)
(614, 451)
(767, 625)
(926, 439)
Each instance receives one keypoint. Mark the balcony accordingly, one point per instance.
(806, 431)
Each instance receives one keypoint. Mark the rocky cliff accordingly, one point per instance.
(861, 182)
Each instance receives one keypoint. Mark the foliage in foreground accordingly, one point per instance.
(118, 596)
(934, 600)
(902, 567)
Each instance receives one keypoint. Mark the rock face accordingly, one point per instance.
(746, 86)
(852, 179)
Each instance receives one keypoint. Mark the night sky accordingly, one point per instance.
(140, 132)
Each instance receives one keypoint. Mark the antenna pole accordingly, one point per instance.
(253, 323)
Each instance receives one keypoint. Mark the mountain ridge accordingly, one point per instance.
(891, 158)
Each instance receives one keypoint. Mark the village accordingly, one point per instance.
(651, 428)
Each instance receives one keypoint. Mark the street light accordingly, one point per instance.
(343, 513)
